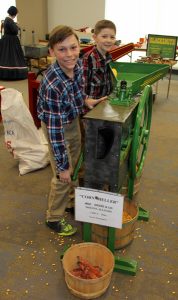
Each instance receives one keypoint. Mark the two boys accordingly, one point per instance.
(61, 100)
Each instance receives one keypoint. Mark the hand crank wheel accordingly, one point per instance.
(140, 138)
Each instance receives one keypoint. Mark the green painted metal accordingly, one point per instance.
(125, 148)
(143, 214)
(122, 95)
(131, 78)
(78, 166)
(125, 265)
(111, 239)
(131, 188)
(87, 232)
(140, 139)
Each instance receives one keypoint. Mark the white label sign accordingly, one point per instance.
(98, 207)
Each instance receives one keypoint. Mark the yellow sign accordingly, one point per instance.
(164, 46)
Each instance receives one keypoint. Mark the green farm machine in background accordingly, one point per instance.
(116, 139)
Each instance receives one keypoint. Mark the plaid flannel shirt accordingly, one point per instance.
(97, 74)
(60, 101)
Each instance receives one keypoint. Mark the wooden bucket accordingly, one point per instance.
(124, 236)
(97, 255)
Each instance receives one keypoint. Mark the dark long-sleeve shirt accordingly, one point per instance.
(10, 27)
(97, 74)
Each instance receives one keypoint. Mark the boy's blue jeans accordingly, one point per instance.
(59, 192)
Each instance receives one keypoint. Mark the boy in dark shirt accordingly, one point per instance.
(97, 72)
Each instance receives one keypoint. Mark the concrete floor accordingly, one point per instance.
(30, 266)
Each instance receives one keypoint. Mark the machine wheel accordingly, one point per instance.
(140, 138)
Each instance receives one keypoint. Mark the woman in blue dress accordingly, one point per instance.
(12, 61)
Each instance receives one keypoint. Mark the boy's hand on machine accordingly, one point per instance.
(100, 100)
(90, 103)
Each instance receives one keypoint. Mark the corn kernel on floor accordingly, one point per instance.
(30, 266)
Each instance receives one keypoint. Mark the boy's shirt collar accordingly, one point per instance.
(99, 55)
(77, 68)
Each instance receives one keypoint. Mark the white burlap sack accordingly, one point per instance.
(22, 138)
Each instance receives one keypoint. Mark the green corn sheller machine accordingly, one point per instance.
(117, 130)
(117, 133)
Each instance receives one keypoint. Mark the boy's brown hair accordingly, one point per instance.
(59, 34)
(104, 24)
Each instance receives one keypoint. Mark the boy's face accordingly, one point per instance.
(105, 39)
(66, 53)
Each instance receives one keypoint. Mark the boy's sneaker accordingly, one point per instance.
(56, 226)
(62, 227)
(66, 228)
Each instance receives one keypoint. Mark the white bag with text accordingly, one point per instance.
(22, 138)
